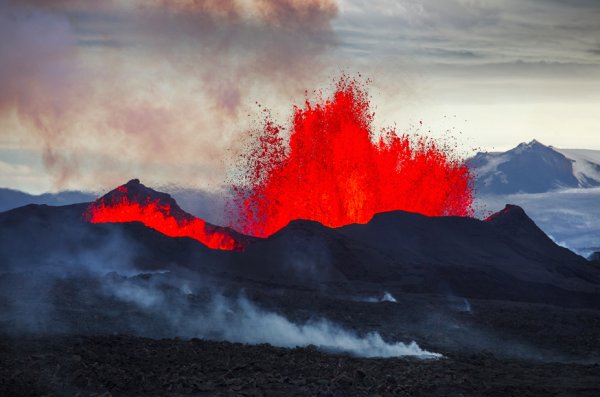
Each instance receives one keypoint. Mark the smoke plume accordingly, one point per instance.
(159, 305)
(239, 320)
(151, 87)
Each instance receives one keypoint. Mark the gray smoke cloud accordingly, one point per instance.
(158, 88)
(385, 297)
(83, 280)
(160, 306)
(239, 320)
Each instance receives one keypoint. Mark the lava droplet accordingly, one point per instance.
(335, 171)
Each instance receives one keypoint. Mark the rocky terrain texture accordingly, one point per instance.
(121, 309)
(126, 365)
(93, 345)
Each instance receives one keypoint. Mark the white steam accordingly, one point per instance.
(386, 297)
(459, 304)
(466, 306)
(239, 320)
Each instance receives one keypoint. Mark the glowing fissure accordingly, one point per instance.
(163, 217)
(333, 171)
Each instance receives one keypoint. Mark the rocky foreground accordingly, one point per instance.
(96, 309)
(127, 365)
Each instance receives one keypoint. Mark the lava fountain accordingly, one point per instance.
(336, 171)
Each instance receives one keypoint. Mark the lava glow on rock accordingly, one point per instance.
(335, 171)
(157, 213)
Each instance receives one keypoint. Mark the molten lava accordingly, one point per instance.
(335, 171)
(159, 214)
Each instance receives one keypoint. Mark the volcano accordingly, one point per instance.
(134, 202)
(497, 294)
(504, 257)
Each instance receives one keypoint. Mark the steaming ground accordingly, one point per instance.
(239, 320)
(167, 306)
(75, 319)
(123, 310)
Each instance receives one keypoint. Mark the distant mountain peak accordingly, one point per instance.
(531, 168)
(533, 145)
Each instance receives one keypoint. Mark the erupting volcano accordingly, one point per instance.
(336, 171)
(133, 202)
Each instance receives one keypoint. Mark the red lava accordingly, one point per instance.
(336, 172)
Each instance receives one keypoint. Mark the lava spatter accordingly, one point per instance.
(334, 169)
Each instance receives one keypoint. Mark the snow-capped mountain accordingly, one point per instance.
(586, 165)
(559, 189)
(535, 168)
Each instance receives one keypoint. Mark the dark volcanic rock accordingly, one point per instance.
(505, 257)
(135, 192)
(125, 366)
(513, 313)
(57, 238)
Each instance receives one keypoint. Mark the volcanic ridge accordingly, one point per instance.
(494, 298)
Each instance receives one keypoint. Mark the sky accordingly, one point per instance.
(94, 93)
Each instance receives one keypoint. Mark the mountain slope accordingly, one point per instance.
(567, 216)
(134, 202)
(505, 257)
(10, 198)
(586, 165)
(474, 257)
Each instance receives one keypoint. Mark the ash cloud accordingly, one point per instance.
(37, 70)
(157, 87)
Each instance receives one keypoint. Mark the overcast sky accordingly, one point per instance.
(93, 93)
